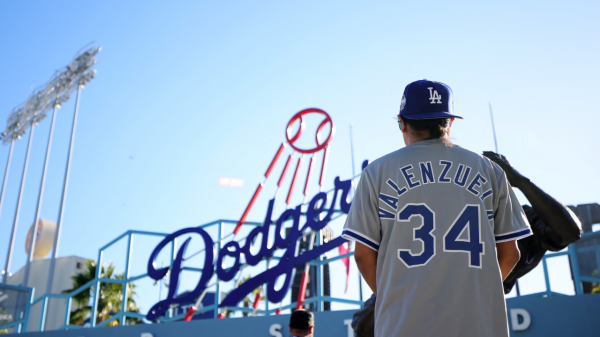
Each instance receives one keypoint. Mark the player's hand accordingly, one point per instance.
(513, 176)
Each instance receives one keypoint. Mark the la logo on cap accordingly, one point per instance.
(423, 100)
(433, 96)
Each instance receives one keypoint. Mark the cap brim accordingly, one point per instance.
(430, 115)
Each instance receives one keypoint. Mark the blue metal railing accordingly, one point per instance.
(588, 243)
(123, 314)
(573, 252)
(579, 252)
(23, 320)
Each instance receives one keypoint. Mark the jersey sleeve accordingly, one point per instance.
(362, 224)
(510, 222)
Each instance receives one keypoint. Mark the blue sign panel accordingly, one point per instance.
(528, 317)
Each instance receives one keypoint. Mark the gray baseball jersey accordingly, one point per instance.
(434, 214)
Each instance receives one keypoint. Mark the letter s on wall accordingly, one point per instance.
(275, 330)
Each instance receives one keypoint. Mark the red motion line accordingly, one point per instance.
(189, 314)
(258, 189)
(302, 292)
(275, 159)
(308, 175)
(324, 166)
(285, 168)
(243, 219)
(291, 191)
(256, 301)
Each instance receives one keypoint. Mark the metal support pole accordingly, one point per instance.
(12, 144)
(218, 286)
(16, 220)
(173, 247)
(68, 311)
(28, 309)
(493, 127)
(126, 278)
(63, 198)
(546, 278)
(160, 284)
(575, 267)
(266, 296)
(43, 314)
(96, 293)
(39, 203)
(352, 156)
(353, 193)
(319, 268)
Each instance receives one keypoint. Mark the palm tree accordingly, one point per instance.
(3, 321)
(109, 301)
(595, 286)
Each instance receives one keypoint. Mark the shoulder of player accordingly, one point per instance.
(404, 154)
(466, 152)
(382, 161)
(486, 166)
(485, 161)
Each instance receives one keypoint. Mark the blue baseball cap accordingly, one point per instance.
(427, 100)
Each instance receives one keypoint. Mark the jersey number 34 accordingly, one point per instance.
(467, 220)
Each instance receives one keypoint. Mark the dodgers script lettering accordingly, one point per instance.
(287, 263)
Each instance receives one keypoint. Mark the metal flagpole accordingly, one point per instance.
(64, 196)
(14, 228)
(352, 156)
(353, 193)
(40, 198)
(493, 127)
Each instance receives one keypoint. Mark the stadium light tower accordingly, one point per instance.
(82, 74)
(21, 118)
(49, 97)
(10, 135)
(74, 75)
(14, 130)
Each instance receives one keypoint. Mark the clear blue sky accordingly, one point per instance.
(187, 92)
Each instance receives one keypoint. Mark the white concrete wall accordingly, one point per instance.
(38, 278)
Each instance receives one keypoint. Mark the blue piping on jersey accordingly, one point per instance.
(350, 235)
(515, 235)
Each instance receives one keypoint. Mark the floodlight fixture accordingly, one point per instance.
(48, 97)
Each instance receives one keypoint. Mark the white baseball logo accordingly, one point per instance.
(402, 103)
(434, 96)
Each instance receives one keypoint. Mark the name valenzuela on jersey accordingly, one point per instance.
(475, 185)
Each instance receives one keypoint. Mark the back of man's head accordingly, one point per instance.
(428, 108)
(302, 323)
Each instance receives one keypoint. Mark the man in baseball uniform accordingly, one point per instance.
(435, 226)
(554, 227)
